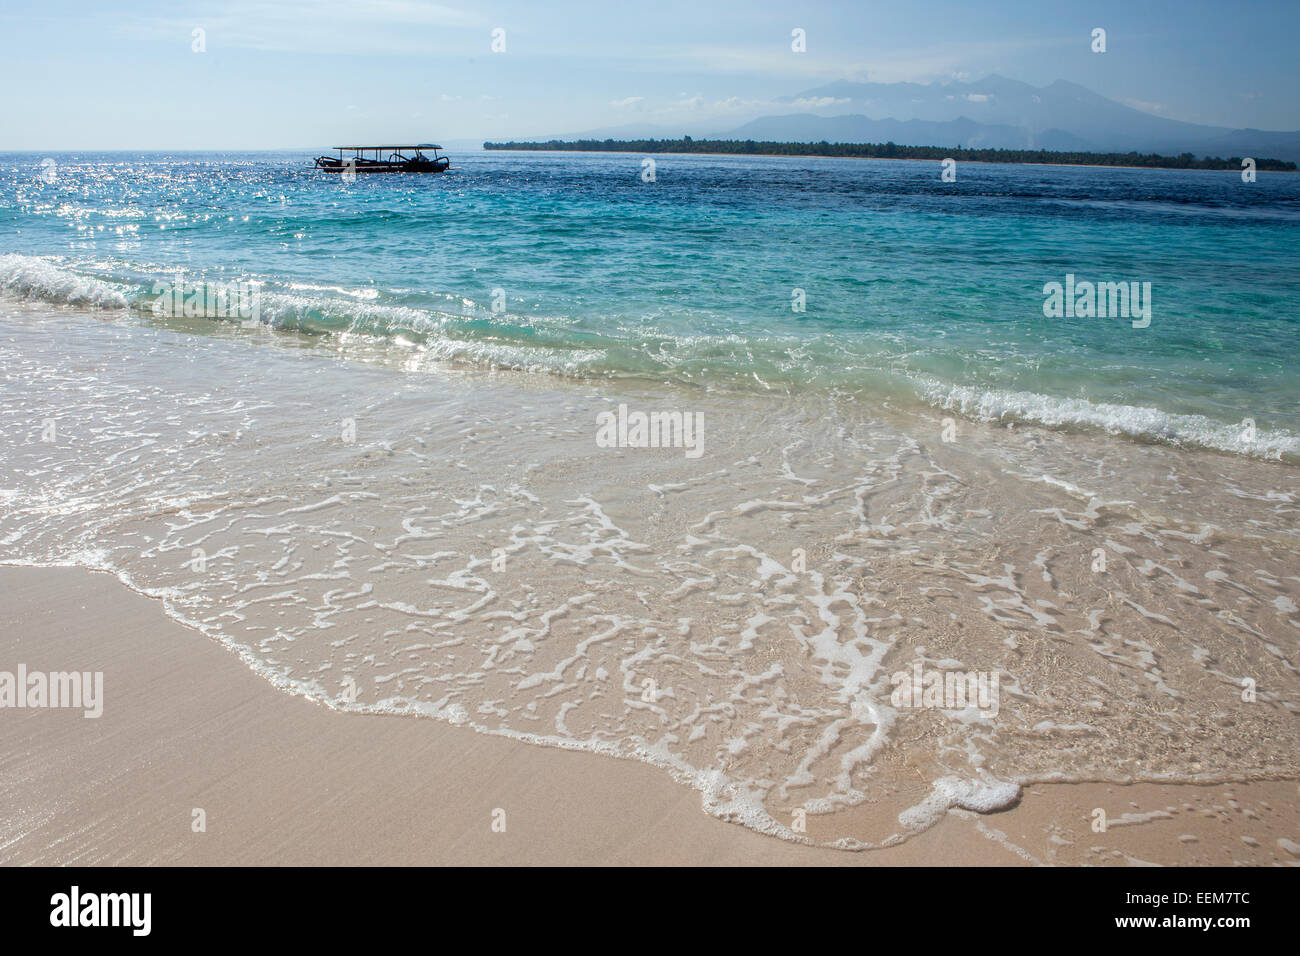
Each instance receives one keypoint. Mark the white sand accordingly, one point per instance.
(285, 781)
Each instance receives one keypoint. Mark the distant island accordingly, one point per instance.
(749, 147)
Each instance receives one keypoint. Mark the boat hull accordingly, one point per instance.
(329, 164)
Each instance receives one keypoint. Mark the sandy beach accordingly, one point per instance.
(285, 781)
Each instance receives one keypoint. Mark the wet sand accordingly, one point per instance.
(283, 780)
(446, 570)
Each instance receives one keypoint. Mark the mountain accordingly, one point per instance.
(996, 111)
(856, 128)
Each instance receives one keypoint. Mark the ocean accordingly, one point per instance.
(911, 286)
(365, 456)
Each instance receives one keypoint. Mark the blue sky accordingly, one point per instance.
(308, 73)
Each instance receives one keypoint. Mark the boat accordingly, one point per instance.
(385, 159)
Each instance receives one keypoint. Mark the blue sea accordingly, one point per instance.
(774, 273)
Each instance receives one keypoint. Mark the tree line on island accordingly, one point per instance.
(749, 147)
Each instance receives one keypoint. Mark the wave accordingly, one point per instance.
(1134, 421)
(469, 334)
(34, 279)
(459, 330)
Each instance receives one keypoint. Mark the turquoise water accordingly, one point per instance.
(914, 287)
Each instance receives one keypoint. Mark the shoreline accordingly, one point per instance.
(529, 652)
(918, 397)
(889, 159)
(283, 780)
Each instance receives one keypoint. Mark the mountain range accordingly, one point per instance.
(990, 112)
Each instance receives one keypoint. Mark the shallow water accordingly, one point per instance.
(455, 544)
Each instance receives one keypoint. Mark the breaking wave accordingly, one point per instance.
(1143, 423)
(462, 331)
(34, 279)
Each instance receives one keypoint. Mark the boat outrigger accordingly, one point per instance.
(385, 159)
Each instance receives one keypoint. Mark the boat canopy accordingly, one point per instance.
(407, 146)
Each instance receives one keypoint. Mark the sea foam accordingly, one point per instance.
(1151, 424)
(38, 279)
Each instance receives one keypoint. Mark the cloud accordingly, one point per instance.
(889, 64)
(734, 104)
(1145, 106)
(697, 108)
(820, 102)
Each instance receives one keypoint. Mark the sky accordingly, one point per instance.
(288, 74)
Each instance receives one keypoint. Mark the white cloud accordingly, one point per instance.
(1145, 106)
(820, 102)
(939, 61)
(733, 104)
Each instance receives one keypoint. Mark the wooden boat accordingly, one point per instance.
(385, 159)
